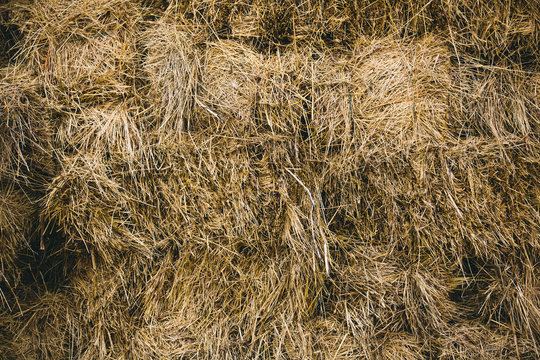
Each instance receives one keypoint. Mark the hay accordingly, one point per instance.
(235, 179)
(504, 102)
(17, 214)
(473, 340)
(82, 52)
(24, 137)
(496, 30)
(48, 329)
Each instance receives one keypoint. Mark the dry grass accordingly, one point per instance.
(17, 213)
(292, 180)
(24, 136)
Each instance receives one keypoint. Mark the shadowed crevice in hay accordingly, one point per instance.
(9, 37)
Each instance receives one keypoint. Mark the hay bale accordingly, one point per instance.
(107, 302)
(92, 207)
(271, 23)
(511, 293)
(470, 339)
(503, 101)
(263, 180)
(46, 329)
(420, 186)
(82, 52)
(112, 128)
(245, 307)
(173, 66)
(251, 92)
(24, 128)
(377, 289)
(223, 82)
(385, 95)
(495, 31)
